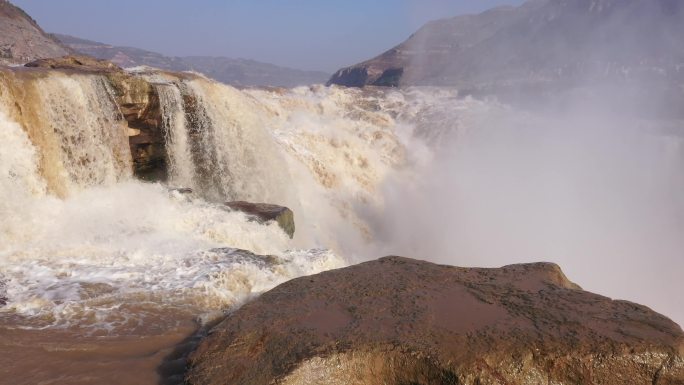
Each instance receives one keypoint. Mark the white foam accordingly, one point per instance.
(98, 247)
(421, 172)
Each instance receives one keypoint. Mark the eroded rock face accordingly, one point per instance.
(264, 212)
(139, 103)
(401, 321)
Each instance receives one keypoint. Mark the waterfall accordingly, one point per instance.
(420, 172)
(178, 147)
(88, 128)
(235, 154)
(76, 126)
(20, 180)
(316, 150)
(81, 236)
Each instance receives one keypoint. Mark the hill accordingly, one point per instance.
(22, 40)
(239, 72)
(541, 42)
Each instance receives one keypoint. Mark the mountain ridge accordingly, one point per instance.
(539, 42)
(239, 72)
(21, 38)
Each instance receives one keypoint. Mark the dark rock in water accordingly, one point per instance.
(91, 290)
(3, 293)
(264, 212)
(402, 321)
(76, 63)
(246, 256)
(182, 190)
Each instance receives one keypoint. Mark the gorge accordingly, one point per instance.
(138, 218)
(121, 264)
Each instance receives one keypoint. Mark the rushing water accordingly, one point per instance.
(100, 270)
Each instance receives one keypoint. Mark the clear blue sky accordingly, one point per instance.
(307, 34)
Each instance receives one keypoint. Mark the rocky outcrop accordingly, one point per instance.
(238, 72)
(402, 321)
(75, 63)
(542, 43)
(248, 257)
(22, 40)
(264, 212)
(138, 102)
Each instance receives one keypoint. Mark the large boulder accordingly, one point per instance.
(402, 321)
(264, 212)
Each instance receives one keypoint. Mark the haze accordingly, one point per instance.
(303, 34)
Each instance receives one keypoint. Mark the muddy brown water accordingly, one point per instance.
(152, 353)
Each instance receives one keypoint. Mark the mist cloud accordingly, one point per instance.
(598, 193)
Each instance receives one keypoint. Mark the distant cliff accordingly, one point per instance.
(22, 40)
(239, 72)
(539, 43)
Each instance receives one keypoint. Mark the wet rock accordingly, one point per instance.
(3, 293)
(181, 190)
(246, 257)
(264, 212)
(140, 107)
(401, 321)
(90, 290)
(75, 63)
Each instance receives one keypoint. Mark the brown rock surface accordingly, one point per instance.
(265, 212)
(401, 321)
(76, 63)
(22, 40)
(140, 106)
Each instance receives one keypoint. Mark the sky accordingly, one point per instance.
(306, 34)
